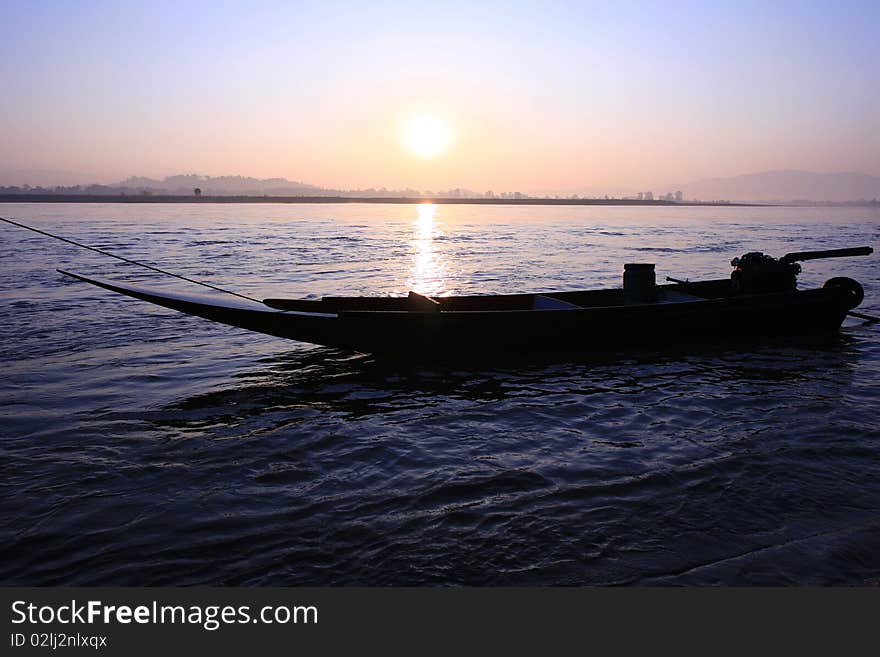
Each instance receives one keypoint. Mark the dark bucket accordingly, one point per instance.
(639, 283)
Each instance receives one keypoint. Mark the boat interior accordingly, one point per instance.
(414, 302)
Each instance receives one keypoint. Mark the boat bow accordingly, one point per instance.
(318, 328)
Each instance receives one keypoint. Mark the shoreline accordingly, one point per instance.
(169, 198)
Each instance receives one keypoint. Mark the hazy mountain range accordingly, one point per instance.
(786, 186)
(767, 186)
(222, 185)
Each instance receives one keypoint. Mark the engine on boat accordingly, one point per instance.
(757, 273)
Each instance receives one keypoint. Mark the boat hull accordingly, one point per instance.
(571, 329)
(596, 329)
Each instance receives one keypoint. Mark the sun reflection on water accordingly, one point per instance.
(428, 274)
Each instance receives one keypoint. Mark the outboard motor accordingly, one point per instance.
(756, 273)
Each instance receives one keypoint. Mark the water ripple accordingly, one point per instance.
(141, 447)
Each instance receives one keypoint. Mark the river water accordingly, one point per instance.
(140, 446)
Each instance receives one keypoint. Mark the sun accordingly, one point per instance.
(427, 136)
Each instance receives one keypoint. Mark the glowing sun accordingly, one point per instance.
(427, 136)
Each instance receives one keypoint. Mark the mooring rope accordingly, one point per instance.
(128, 260)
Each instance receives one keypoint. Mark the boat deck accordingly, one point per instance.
(675, 293)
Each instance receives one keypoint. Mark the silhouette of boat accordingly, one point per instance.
(759, 300)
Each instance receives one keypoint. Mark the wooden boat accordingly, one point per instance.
(638, 315)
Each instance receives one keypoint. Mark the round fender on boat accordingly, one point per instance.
(854, 290)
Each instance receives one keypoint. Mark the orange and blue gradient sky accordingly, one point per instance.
(538, 97)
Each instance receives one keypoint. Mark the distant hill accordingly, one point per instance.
(786, 186)
(214, 186)
(222, 186)
(184, 185)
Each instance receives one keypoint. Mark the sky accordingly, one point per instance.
(545, 97)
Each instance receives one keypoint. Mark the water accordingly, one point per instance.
(140, 446)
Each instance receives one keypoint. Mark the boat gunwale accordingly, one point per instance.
(729, 299)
